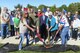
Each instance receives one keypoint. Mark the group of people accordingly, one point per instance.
(26, 24)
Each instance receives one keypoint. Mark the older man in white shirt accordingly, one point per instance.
(48, 12)
(4, 22)
(75, 26)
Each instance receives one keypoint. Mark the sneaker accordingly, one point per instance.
(3, 37)
(19, 49)
(43, 40)
(44, 44)
(17, 37)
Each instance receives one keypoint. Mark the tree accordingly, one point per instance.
(78, 7)
(29, 6)
(53, 8)
(74, 7)
(18, 6)
(34, 7)
(42, 6)
(63, 7)
(0, 10)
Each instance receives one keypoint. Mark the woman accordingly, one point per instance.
(24, 30)
(51, 25)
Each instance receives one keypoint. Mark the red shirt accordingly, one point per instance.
(39, 15)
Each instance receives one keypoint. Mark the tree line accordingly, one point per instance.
(71, 8)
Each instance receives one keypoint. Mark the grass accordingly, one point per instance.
(1, 45)
(43, 52)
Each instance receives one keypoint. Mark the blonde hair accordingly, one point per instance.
(23, 17)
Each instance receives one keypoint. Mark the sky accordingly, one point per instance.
(11, 3)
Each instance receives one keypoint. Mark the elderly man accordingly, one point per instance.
(48, 12)
(75, 26)
(4, 22)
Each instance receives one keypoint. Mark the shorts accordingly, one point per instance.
(17, 29)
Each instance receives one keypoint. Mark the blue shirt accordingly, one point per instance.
(52, 23)
(43, 17)
(11, 21)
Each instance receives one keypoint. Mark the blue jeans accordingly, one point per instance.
(22, 36)
(4, 30)
(0, 33)
(64, 35)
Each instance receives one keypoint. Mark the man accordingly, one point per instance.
(47, 12)
(56, 16)
(75, 26)
(77, 14)
(39, 14)
(0, 25)
(12, 24)
(33, 19)
(32, 15)
(70, 19)
(43, 30)
(4, 22)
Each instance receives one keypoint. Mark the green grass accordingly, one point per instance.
(1, 45)
(42, 52)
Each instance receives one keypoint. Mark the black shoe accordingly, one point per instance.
(17, 38)
(27, 45)
(44, 43)
(3, 37)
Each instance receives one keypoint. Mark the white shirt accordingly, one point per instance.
(5, 16)
(23, 28)
(76, 23)
(65, 21)
(56, 17)
(47, 13)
